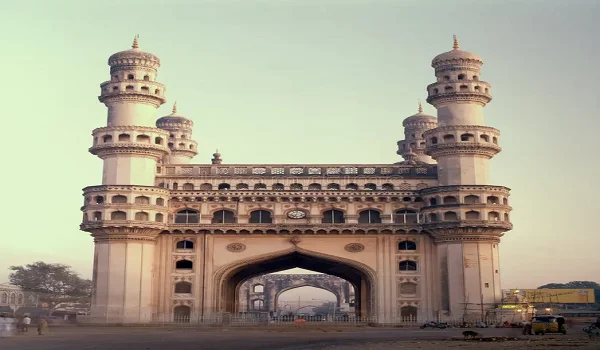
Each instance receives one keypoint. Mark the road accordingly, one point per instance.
(100, 338)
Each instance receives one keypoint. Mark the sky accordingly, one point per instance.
(305, 81)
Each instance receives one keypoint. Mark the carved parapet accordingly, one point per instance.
(296, 229)
(148, 97)
(467, 230)
(462, 139)
(136, 148)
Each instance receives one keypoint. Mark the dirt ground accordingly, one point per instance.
(319, 338)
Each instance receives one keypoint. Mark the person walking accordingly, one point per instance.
(42, 326)
(25, 323)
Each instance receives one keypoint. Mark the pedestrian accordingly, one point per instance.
(527, 328)
(25, 323)
(42, 326)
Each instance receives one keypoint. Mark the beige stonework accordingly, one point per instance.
(175, 239)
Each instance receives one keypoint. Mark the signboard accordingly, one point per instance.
(556, 296)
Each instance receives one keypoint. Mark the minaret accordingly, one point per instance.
(414, 127)
(182, 147)
(461, 144)
(126, 213)
(465, 215)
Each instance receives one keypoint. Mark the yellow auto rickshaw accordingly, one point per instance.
(548, 324)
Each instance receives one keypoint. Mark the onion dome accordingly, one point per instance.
(456, 54)
(419, 117)
(134, 57)
(216, 158)
(174, 121)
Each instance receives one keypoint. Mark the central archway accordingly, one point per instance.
(229, 278)
(338, 298)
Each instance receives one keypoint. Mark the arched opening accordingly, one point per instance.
(493, 200)
(472, 215)
(314, 187)
(141, 216)
(450, 216)
(432, 201)
(107, 138)
(224, 186)
(185, 244)
(13, 299)
(241, 186)
(223, 217)
(119, 199)
(333, 217)
(181, 314)
(146, 78)
(124, 138)
(370, 187)
(352, 187)
(471, 199)
(450, 200)
(464, 88)
(129, 88)
(145, 89)
(160, 202)
(183, 288)
(369, 217)
(409, 312)
(188, 187)
(319, 301)
(493, 216)
(484, 138)
(387, 187)
(258, 305)
(275, 187)
(260, 217)
(296, 187)
(406, 216)
(407, 245)
(259, 288)
(158, 217)
(143, 200)
(118, 215)
(449, 138)
(99, 199)
(97, 216)
(506, 218)
(467, 137)
(4, 299)
(187, 216)
(184, 265)
(229, 279)
(495, 140)
(461, 77)
(333, 187)
(407, 265)
(434, 140)
(206, 187)
(433, 217)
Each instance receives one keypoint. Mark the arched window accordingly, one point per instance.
(450, 216)
(407, 245)
(258, 304)
(495, 140)
(352, 187)
(146, 77)
(493, 200)
(369, 217)
(20, 300)
(464, 88)
(182, 145)
(183, 288)
(471, 199)
(97, 216)
(187, 216)
(448, 138)
(118, 199)
(314, 187)
(406, 216)
(461, 77)
(432, 201)
(142, 200)
(145, 89)
(4, 299)
(407, 288)
(129, 88)
(158, 140)
(118, 215)
(484, 138)
(185, 244)
(157, 92)
(206, 187)
(13, 299)
(433, 217)
(188, 187)
(241, 186)
(261, 187)
(467, 137)
(370, 187)
(387, 187)
(275, 187)
(450, 200)
(259, 288)
(106, 138)
(260, 217)
(434, 140)
(407, 265)
(333, 217)
(224, 186)
(505, 201)
(181, 314)
(409, 312)
(184, 265)
(472, 215)
(124, 138)
(506, 218)
(141, 216)
(160, 202)
(493, 216)
(99, 199)
(296, 187)
(333, 187)
(223, 217)
(130, 76)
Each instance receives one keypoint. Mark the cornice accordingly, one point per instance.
(122, 188)
(138, 128)
(446, 128)
(475, 97)
(153, 207)
(485, 149)
(467, 226)
(137, 148)
(465, 188)
(134, 226)
(186, 152)
(132, 96)
(295, 229)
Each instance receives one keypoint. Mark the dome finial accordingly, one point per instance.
(136, 42)
(174, 107)
(455, 46)
(420, 107)
(216, 158)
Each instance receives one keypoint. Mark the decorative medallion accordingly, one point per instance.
(296, 214)
(236, 247)
(354, 247)
(295, 240)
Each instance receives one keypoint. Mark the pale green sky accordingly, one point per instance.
(307, 82)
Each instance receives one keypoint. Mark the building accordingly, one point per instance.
(415, 238)
(11, 298)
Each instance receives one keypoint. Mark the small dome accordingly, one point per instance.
(420, 117)
(133, 53)
(169, 121)
(455, 54)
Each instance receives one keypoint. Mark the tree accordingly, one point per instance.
(55, 283)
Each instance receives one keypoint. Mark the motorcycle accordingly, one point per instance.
(431, 324)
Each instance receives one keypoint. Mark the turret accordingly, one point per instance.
(461, 144)
(414, 143)
(182, 147)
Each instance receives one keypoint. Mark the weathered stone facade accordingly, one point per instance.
(172, 238)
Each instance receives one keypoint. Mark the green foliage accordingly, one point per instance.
(55, 283)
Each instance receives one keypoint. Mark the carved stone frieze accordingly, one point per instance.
(236, 247)
(354, 247)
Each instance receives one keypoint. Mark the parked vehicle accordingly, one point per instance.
(548, 324)
(592, 331)
(432, 324)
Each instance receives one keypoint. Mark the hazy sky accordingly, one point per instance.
(307, 82)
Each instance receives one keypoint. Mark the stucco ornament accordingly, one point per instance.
(295, 240)
(236, 247)
(354, 247)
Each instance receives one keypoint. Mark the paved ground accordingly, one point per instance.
(81, 338)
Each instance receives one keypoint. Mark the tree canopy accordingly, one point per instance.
(55, 283)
